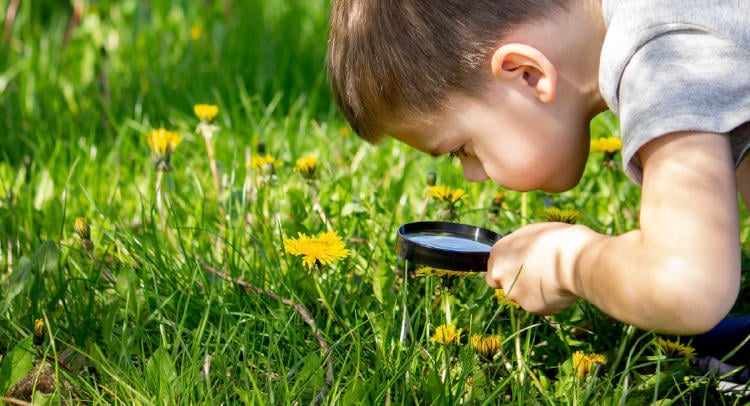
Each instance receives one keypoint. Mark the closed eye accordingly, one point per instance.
(458, 153)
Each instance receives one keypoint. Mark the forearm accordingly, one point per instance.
(679, 272)
(645, 285)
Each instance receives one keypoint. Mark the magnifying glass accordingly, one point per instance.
(444, 245)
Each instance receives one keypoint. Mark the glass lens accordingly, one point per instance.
(450, 242)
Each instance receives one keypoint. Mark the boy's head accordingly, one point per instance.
(390, 60)
(497, 83)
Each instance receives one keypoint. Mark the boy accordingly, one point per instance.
(509, 87)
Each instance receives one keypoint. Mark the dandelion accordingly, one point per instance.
(498, 202)
(554, 214)
(673, 349)
(320, 250)
(163, 142)
(206, 112)
(445, 194)
(306, 166)
(430, 271)
(498, 199)
(447, 335)
(583, 364)
(261, 162)
(608, 145)
(38, 332)
(503, 300)
(485, 346)
(196, 31)
(84, 232)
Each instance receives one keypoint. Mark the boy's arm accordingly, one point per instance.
(679, 272)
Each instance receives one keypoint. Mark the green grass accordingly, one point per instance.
(165, 329)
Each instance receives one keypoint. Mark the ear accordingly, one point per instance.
(523, 62)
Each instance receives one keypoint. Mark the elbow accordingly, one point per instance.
(694, 299)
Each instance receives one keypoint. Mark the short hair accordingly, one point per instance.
(394, 59)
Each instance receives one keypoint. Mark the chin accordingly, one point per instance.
(563, 183)
(558, 188)
(559, 182)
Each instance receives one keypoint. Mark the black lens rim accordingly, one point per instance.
(452, 260)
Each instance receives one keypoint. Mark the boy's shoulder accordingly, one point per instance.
(664, 65)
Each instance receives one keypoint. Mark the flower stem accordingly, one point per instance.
(207, 135)
(159, 197)
(318, 208)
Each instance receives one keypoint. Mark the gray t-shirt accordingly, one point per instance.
(677, 65)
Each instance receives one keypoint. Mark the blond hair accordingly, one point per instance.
(389, 60)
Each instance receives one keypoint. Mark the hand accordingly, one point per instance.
(536, 265)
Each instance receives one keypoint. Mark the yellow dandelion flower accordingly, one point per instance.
(674, 349)
(206, 112)
(498, 199)
(345, 131)
(306, 166)
(163, 142)
(260, 161)
(430, 271)
(503, 300)
(447, 335)
(554, 214)
(445, 194)
(608, 145)
(486, 346)
(38, 332)
(584, 363)
(196, 31)
(320, 250)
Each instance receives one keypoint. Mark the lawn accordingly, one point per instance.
(152, 248)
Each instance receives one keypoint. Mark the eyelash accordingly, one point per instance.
(457, 153)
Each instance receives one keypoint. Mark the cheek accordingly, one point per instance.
(527, 169)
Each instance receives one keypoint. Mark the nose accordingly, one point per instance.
(473, 169)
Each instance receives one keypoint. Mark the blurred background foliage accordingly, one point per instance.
(108, 61)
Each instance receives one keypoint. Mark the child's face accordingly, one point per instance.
(509, 137)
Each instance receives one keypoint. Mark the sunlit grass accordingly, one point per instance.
(183, 291)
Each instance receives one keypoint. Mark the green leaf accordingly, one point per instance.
(46, 257)
(161, 374)
(45, 190)
(16, 364)
(18, 279)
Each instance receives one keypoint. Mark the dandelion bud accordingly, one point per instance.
(82, 228)
(38, 332)
(431, 178)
